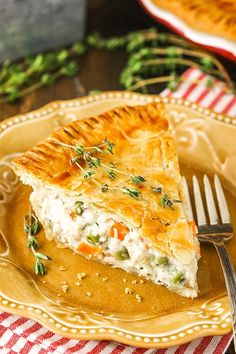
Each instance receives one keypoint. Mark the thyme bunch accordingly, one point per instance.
(155, 57)
(32, 227)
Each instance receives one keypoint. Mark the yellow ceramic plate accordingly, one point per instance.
(206, 143)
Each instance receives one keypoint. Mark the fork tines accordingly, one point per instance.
(213, 217)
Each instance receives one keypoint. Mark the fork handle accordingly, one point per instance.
(230, 280)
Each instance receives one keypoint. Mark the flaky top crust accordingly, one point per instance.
(144, 146)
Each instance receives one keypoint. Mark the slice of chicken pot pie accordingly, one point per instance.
(109, 187)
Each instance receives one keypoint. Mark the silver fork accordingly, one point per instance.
(215, 232)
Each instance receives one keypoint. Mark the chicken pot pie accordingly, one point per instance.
(211, 16)
(109, 187)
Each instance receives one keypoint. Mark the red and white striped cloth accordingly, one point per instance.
(23, 336)
(215, 98)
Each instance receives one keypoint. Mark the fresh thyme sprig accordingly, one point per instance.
(155, 57)
(43, 69)
(85, 153)
(166, 201)
(134, 193)
(112, 171)
(31, 228)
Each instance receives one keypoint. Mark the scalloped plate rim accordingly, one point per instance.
(56, 106)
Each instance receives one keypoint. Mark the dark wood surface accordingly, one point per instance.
(99, 69)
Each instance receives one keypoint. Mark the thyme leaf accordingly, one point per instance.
(43, 256)
(104, 188)
(134, 193)
(137, 179)
(166, 201)
(88, 174)
(111, 174)
(33, 242)
(110, 145)
(31, 225)
(79, 149)
(39, 268)
(157, 189)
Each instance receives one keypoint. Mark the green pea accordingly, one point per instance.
(162, 260)
(93, 239)
(178, 278)
(79, 209)
(122, 254)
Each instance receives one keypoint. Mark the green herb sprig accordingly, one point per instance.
(85, 154)
(43, 69)
(155, 57)
(31, 228)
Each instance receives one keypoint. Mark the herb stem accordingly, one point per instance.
(84, 172)
(137, 179)
(180, 61)
(153, 80)
(114, 169)
(24, 92)
(196, 53)
(80, 167)
(152, 35)
(30, 89)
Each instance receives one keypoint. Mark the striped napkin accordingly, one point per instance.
(194, 88)
(20, 335)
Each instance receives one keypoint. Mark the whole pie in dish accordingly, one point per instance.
(109, 187)
(217, 17)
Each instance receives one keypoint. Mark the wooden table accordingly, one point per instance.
(99, 69)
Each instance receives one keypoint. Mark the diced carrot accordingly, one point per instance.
(119, 230)
(87, 249)
(72, 214)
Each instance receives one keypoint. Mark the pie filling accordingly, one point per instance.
(71, 221)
